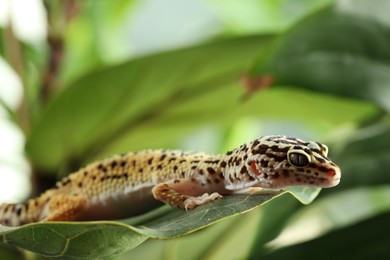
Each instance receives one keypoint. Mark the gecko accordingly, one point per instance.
(130, 184)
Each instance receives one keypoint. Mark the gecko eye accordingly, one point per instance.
(298, 158)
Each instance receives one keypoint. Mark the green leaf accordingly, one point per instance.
(73, 240)
(364, 155)
(343, 50)
(104, 105)
(83, 240)
(345, 243)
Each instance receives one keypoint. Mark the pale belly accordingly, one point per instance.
(121, 204)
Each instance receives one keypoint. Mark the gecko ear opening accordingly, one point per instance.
(298, 158)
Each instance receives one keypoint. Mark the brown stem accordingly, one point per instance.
(59, 16)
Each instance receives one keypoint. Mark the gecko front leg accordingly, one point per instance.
(183, 193)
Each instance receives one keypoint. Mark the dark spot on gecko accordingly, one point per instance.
(312, 165)
(123, 164)
(210, 170)
(182, 160)
(201, 172)
(183, 174)
(244, 170)
(150, 161)
(319, 159)
(85, 173)
(238, 161)
(141, 170)
(217, 181)
(262, 149)
(80, 184)
(126, 175)
(163, 157)
(193, 167)
(65, 181)
(275, 176)
(229, 153)
(231, 178)
(175, 168)
(171, 159)
(18, 211)
(208, 181)
(133, 163)
(245, 157)
(316, 173)
(255, 143)
(100, 166)
(323, 169)
(195, 161)
(159, 167)
(93, 177)
(176, 181)
(212, 161)
(264, 163)
(113, 164)
(308, 171)
(223, 164)
(251, 178)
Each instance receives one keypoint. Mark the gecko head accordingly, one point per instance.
(281, 161)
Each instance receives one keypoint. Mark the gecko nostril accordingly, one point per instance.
(331, 173)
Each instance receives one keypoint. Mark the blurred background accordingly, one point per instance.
(81, 80)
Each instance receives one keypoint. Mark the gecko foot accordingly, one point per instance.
(193, 202)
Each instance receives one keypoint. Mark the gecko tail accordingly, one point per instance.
(17, 214)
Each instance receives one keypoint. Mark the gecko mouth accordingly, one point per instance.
(285, 179)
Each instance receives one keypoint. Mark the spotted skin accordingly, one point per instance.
(130, 184)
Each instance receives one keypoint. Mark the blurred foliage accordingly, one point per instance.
(318, 69)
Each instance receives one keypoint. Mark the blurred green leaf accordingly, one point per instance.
(326, 214)
(342, 49)
(104, 105)
(9, 253)
(364, 156)
(364, 240)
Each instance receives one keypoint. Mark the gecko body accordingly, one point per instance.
(130, 184)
